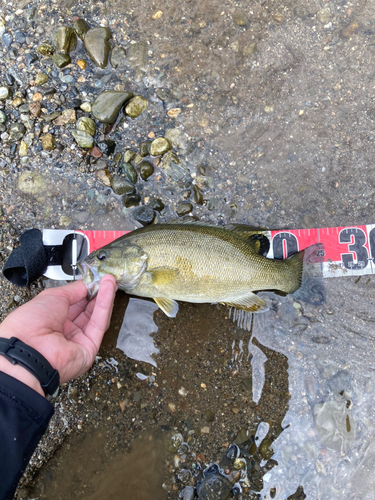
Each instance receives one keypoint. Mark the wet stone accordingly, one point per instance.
(159, 146)
(129, 155)
(19, 37)
(242, 436)
(85, 124)
(349, 31)
(130, 172)
(145, 170)
(144, 215)
(46, 49)
(86, 106)
(144, 148)
(107, 105)
(10, 79)
(121, 186)
(66, 117)
(104, 176)
(65, 39)
(136, 106)
(35, 108)
(61, 60)
(131, 200)
(137, 57)
(17, 102)
(198, 195)
(81, 28)
(97, 45)
(188, 493)
(324, 16)
(48, 142)
(31, 183)
(52, 116)
(7, 39)
(23, 149)
(16, 132)
(5, 92)
(209, 416)
(214, 487)
(3, 117)
(40, 79)
(184, 209)
(156, 204)
(107, 146)
(240, 19)
(177, 139)
(174, 167)
(83, 139)
(81, 63)
(118, 57)
(265, 448)
(249, 50)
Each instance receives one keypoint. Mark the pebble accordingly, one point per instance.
(67, 116)
(86, 125)
(48, 142)
(65, 39)
(131, 200)
(23, 149)
(83, 139)
(145, 170)
(144, 148)
(107, 146)
(16, 132)
(349, 31)
(129, 155)
(137, 57)
(86, 106)
(157, 14)
(46, 49)
(121, 186)
(159, 146)
(81, 27)
(17, 102)
(136, 106)
(31, 183)
(278, 17)
(174, 167)
(61, 60)
(184, 209)
(3, 117)
(107, 105)
(40, 78)
(5, 92)
(177, 139)
(118, 57)
(81, 63)
(144, 215)
(130, 172)
(249, 50)
(37, 96)
(35, 108)
(265, 448)
(173, 112)
(324, 16)
(240, 19)
(104, 176)
(7, 39)
(269, 109)
(97, 45)
(198, 195)
(156, 204)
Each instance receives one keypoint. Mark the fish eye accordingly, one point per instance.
(102, 255)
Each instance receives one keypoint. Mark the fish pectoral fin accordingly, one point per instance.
(250, 303)
(169, 306)
(163, 275)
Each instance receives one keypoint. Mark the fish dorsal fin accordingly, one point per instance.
(163, 275)
(249, 303)
(169, 306)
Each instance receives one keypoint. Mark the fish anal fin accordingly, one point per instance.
(163, 275)
(249, 303)
(169, 306)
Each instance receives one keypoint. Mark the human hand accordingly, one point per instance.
(63, 326)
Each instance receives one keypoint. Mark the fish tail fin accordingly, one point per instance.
(307, 266)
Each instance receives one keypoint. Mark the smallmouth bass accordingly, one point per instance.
(198, 263)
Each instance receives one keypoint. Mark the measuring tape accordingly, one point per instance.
(348, 251)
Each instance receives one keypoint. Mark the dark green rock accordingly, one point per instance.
(65, 39)
(144, 215)
(242, 436)
(61, 60)
(46, 49)
(198, 195)
(118, 57)
(145, 170)
(97, 45)
(131, 200)
(84, 139)
(107, 105)
(130, 172)
(121, 186)
(184, 209)
(156, 204)
(174, 167)
(136, 106)
(144, 148)
(265, 448)
(209, 416)
(16, 132)
(81, 28)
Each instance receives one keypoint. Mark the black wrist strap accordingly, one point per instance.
(17, 352)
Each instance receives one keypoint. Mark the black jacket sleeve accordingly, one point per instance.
(24, 417)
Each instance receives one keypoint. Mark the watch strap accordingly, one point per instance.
(17, 352)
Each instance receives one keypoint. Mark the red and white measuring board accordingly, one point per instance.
(347, 251)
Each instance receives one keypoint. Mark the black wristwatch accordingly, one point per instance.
(17, 352)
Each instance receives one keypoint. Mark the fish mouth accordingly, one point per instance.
(89, 280)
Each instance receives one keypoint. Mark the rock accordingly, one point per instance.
(174, 167)
(5, 92)
(81, 28)
(86, 106)
(173, 112)
(40, 79)
(19, 37)
(138, 158)
(242, 436)
(177, 139)
(159, 146)
(198, 195)
(61, 60)
(136, 106)
(137, 58)
(156, 204)
(240, 18)
(349, 31)
(48, 142)
(85, 124)
(265, 448)
(51, 116)
(3, 117)
(130, 172)
(145, 170)
(46, 49)
(209, 416)
(31, 183)
(121, 186)
(65, 39)
(97, 45)
(107, 105)
(107, 146)
(249, 50)
(23, 149)
(35, 108)
(214, 487)
(16, 132)
(67, 116)
(118, 57)
(7, 39)
(144, 215)
(278, 17)
(184, 209)
(17, 102)
(129, 155)
(324, 16)
(104, 176)
(81, 63)
(84, 139)
(131, 200)
(188, 493)
(144, 148)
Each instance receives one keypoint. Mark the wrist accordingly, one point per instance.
(20, 373)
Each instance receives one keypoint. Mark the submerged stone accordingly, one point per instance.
(5, 92)
(104, 176)
(84, 139)
(131, 200)
(48, 142)
(31, 183)
(129, 155)
(137, 57)
(145, 170)
(81, 28)
(130, 172)
(184, 209)
(144, 215)
(144, 148)
(46, 49)
(159, 146)
(118, 57)
(65, 39)
(107, 105)
(97, 45)
(61, 60)
(136, 106)
(174, 167)
(40, 78)
(121, 186)
(156, 204)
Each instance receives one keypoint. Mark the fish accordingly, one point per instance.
(200, 263)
